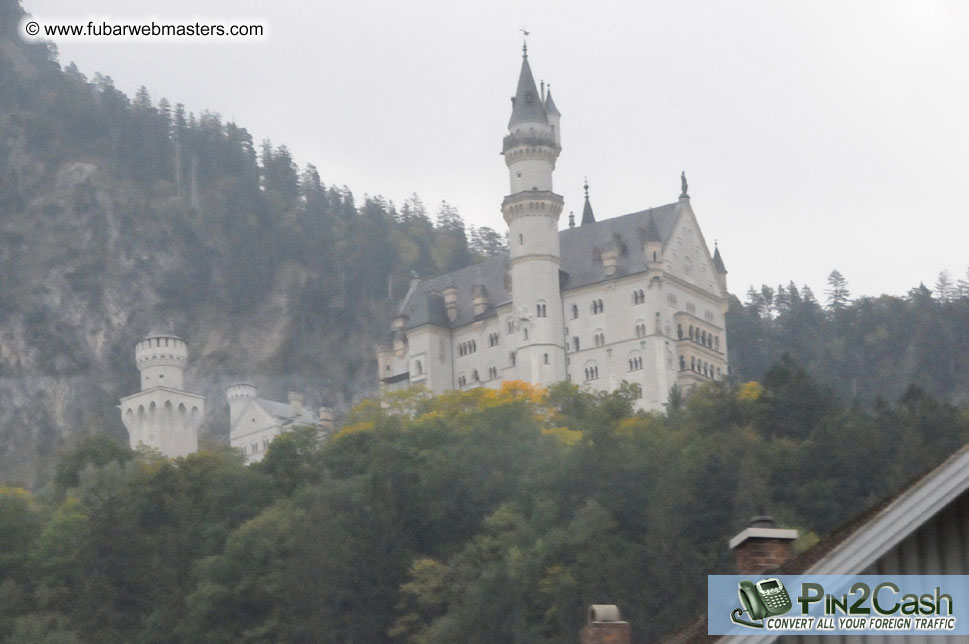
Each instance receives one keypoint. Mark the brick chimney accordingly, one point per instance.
(762, 547)
(604, 626)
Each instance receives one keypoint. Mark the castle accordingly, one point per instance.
(637, 298)
(164, 417)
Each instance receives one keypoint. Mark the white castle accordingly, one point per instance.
(163, 416)
(636, 299)
(255, 422)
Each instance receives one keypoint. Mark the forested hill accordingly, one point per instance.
(867, 349)
(119, 213)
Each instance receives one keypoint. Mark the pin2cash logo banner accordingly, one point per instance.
(838, 604)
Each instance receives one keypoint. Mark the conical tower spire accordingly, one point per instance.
(527, 103)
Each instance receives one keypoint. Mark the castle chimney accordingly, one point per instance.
(605, 626)
(479, 299)
(295, 402)
(451, 303)
(762, 547)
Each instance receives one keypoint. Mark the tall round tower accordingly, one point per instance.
(532, 211)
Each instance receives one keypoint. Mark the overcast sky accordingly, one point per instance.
(815, 135)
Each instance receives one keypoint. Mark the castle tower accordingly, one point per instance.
(163, 416)
(239, 394)
(532, 211)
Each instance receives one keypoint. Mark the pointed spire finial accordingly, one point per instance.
(525, 34)
(571, 219)
(683, 186)
(588, 217)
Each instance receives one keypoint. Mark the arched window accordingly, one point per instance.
(511, 325)
(575, 343)
(716, 342)
(679, 331)
(525, 334)
(682, 363)
(418, 367)
(540, 310)
(546, 358)
(575, 311)
(599, 338)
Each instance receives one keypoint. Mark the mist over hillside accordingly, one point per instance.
(119, 214)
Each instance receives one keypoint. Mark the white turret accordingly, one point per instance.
(161, 415)
(239, 394)
(532, 211)
(161, 357)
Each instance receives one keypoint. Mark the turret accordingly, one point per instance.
(719, 267)
(162, 416)
(554, 116)
(239, 394)
(161, 357)
(532, 211)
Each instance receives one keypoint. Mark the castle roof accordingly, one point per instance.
(581, 265)
(284, 412)
(527, 104)
(550, 108)
(587, 216)
(718, 262)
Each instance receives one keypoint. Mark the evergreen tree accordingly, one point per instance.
(838, 295)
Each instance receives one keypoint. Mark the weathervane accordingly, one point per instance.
(525, 34)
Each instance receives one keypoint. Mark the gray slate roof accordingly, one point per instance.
(587, 215)
(581, 265)
(527, 104)
(284, 412)
(550, 108)
(718, 262)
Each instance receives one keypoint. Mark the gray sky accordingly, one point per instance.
(815, 135)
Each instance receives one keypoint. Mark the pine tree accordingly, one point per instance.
(943, 286)
(838, 294)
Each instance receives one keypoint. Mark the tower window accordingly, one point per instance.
(540, 310)
(546, 358)
(521, 239)
(575, 311)
(638, 296)
(575, 343)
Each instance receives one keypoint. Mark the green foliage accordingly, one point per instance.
(867, 348)
(474, 516)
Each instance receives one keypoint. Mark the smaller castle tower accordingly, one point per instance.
(162, 415)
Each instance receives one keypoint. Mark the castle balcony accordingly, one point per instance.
(536, 139)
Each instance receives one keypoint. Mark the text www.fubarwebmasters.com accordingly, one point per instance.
(105, 29)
